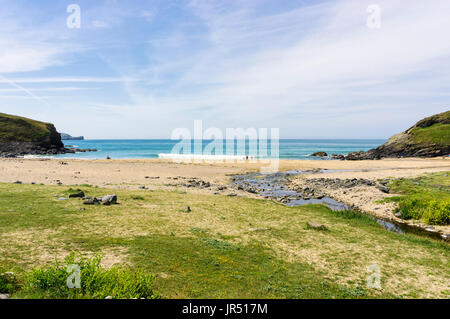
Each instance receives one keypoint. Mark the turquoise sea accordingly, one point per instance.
(288, 148)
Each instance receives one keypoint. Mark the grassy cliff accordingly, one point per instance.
(427, 138)
(20, 135)
(16, 128)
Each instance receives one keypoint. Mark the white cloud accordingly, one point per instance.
(308, 61)
(313, 70)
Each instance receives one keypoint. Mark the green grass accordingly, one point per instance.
(425, 198)
(436, 134)
(89, 281)
(224, 248)
(433, 130)
(16, 128)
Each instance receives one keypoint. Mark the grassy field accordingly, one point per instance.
(425, 198)
(225, 247)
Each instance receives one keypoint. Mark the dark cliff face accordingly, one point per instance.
(22, 136)
(53, 139)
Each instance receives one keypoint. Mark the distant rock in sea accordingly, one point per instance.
(429, 137)
(67, 137)
(321, 154)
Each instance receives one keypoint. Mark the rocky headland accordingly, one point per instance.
(21, 136)
(429, 137)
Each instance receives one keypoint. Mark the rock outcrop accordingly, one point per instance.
(21, 136)
(321, 154)
(429, 137)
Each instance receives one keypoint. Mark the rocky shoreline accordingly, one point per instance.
(21, 149)
(21, 136)
(364, 195)
(427, 138)
(360, 194)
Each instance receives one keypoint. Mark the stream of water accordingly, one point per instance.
(275, 186)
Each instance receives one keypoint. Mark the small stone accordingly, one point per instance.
(231, 195)
(142, 187)
(77, 195)
(109, 297)
(109, 199)
(18, 182)
(4, 296)
(258, 229)
(398, 214)
(63, 198)
(316, 226)
(382, 188)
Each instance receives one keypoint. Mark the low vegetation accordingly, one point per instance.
(16, 128)
(224, 247)
(433, 130)
(437, 134)
(95, 281)
(425, 198)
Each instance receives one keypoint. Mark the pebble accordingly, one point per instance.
(77, 195)
(316, 226)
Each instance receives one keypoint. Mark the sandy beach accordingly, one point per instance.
(133, 173)
(156, 174)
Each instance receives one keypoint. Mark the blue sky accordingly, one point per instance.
(140, 69)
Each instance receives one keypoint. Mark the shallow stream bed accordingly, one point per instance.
(276, 187)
